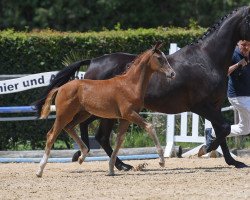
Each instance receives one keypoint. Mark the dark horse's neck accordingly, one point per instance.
(219, 42)
(139, 74)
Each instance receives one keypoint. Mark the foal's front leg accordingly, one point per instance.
(123, 126)
(136, 118)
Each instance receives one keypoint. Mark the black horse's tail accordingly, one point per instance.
(60, 79)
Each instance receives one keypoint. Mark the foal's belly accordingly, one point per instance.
(101, 107)
(104, 112)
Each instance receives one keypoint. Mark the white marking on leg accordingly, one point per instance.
(84, 153)
(43, 163)
(83, 148)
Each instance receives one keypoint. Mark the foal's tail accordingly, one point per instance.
(60, 79)
(48, 101)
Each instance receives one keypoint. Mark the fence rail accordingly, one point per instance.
(22, 109)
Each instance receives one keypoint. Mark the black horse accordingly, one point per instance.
(200, 83)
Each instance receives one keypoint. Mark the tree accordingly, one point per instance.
(97, 15)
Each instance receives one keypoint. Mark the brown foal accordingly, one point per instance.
(121, 97)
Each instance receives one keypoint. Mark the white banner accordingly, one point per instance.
(30, 82)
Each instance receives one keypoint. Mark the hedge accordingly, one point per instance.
(35, 52)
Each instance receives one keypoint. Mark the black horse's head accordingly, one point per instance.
(245, 24)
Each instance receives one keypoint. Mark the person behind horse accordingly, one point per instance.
(238, 93)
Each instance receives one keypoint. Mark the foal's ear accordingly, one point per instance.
(158, 45)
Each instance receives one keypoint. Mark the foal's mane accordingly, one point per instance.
(135, 61)
(215, 26)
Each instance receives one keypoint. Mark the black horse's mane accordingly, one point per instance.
(215, 26)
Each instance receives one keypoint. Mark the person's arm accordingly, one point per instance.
(233, 67)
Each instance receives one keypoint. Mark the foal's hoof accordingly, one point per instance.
(39, 175)
(240, 165)
(202, 151)
(162, 164)
(80, 160)
(123, 166)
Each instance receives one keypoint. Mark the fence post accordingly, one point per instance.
(173, 48)
(170, 136)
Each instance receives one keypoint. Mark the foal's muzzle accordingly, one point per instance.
(172, 75)
(169, 74)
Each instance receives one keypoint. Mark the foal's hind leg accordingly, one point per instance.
(123, 126)
(51, 137)
(137, 119)
(80, 117)
(60, 122)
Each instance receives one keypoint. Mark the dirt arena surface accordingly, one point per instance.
(183, 178)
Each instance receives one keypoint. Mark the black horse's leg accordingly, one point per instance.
(84, 136)
(103, 137)
(221, 132)
(228, 158)
(220, 139)
(222, 129)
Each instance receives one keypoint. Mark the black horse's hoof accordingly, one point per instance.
(240, 165)
(124, 167)
(76, 156)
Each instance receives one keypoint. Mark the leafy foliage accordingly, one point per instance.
(98, 15)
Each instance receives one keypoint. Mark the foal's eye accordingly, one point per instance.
(161, 60)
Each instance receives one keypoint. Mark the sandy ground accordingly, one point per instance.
(183, 178)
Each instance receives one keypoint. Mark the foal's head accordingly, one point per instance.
(159, 62)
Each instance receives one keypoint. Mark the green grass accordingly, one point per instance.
(141, 139)
(136, 137)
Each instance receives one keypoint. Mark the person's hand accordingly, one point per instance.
(242, 63)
